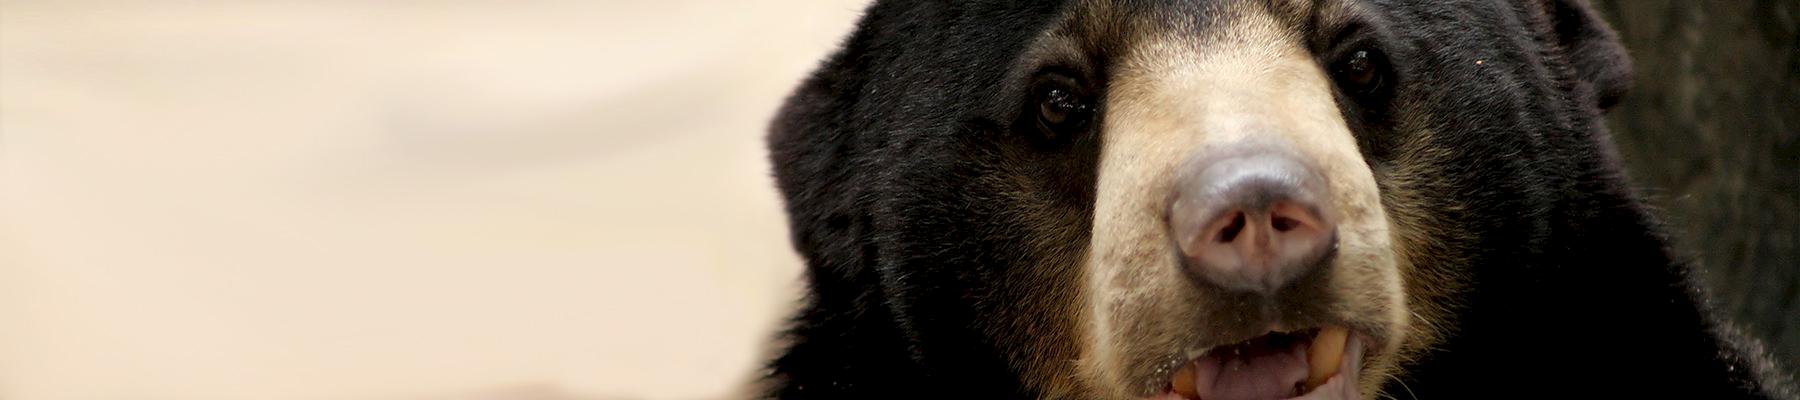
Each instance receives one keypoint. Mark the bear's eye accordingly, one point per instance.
(1062, 110)
(1361, 72)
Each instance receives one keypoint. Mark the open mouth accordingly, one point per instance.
(1319, 363)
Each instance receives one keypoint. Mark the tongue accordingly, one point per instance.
(1256, 371)
(1265, 369)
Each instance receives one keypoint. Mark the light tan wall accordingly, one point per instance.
(393, 200)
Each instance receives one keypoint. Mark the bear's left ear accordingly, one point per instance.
(1594, 51)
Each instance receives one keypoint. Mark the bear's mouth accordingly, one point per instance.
(1321, 363)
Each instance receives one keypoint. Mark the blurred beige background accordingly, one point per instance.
(393, 200)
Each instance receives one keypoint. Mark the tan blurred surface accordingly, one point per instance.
(393, 200)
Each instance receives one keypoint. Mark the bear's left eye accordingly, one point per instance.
(1361, 72)
(1062, 110)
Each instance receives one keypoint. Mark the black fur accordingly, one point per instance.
(888, 157)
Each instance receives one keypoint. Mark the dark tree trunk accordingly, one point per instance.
(1711, 134)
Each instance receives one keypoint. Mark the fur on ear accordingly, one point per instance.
(1593, 50)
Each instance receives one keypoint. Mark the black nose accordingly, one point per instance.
(1251, 218)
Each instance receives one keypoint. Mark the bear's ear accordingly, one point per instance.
(1594, 51)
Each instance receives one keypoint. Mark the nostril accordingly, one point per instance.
(1283, 224)
(1232, 229)
(1289, 217)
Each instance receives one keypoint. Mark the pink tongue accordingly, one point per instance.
(1255, 372)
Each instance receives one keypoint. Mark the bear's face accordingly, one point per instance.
(1182, 103)
(1213, 199)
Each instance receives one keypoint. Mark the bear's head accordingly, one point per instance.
(1203, 199)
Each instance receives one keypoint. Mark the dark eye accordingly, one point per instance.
(1062, 110)
(1361, 73)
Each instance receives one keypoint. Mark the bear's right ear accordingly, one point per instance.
(812, 147)
(1594, 51)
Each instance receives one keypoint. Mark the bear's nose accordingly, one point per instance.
(1251, 218)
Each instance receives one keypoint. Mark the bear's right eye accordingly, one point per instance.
(1062, 110)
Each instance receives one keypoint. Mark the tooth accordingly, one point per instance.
(1183, 383)
(1324, 355)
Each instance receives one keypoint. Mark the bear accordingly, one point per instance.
(1232, 199)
